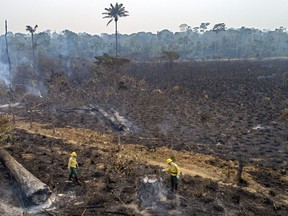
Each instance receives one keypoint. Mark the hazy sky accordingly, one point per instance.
(147, 15)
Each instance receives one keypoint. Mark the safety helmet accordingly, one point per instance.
(169, 160)
(73, 154)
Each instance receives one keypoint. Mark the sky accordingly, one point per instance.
(144, 16)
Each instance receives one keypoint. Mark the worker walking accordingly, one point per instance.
(72, 164)
(174, 171)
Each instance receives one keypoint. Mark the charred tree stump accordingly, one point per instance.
(30, 118)
(239, 178)
(118, 141)
(36, 191)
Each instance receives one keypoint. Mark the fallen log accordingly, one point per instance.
(35, 191)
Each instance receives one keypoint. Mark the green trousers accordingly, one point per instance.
(73, 171)
(174, 183)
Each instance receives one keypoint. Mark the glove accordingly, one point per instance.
(162, 170)
(178, 177)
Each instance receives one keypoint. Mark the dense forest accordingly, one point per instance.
(189, 44)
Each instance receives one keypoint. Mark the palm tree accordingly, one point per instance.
(114, 12)
(32, 30)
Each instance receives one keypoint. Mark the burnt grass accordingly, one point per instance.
(229, 109)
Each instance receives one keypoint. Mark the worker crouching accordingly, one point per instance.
(72, 164)
(174, 171)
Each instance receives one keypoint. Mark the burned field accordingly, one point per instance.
(211, 116)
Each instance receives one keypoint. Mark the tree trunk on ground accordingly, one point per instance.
(36, 191)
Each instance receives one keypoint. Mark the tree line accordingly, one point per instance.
(189, 44)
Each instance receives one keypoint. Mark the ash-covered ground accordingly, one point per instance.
(232, 111)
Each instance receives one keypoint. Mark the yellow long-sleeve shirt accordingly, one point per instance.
(72, 162)
(173, 169)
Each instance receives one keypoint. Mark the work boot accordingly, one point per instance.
(70, 177)
(76, 180)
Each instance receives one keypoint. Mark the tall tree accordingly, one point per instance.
(7, 50)
(32, 31)
(9, 63)
(203, 27)
(184, 27)
(114, 12)
(219, 27)
(171, 56)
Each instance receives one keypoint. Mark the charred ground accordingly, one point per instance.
(209, 115)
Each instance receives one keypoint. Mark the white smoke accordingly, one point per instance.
(38, 90)
(5, 74)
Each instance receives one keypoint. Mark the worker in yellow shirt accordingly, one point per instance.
(72, 164)
(174, 171)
